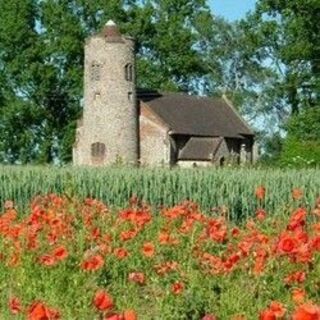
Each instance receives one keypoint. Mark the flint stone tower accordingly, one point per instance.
(108, 131)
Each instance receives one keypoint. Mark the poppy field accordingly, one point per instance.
(68, 258)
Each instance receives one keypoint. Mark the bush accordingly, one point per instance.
(302, 146)
(299, 153)
(305, 125)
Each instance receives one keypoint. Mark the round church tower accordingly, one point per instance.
(108, 132)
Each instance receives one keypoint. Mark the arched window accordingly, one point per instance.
(95, 71)
(129, 72)
(98, 152)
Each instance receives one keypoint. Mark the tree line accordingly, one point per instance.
(268, 64)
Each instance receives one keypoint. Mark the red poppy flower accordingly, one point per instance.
(165, 238)
(298, 295)
(303, 254)
(93, 263)
(287, 244)
(261, 214)
(231, 262)
(60, 253)
(137, 277)
(15, 305)
(177, 288)
(120, 253)
(278, 309)
(95, 233)
(148, 249)
(47, 260)
(102, 300)
(128, 235)
(315, 243)
(267, 315)
(299, 277)
(298, 219)
(307, 312)
(260, 192)
(130, 315)
(235, 232)
(217, 230)
(38, 311)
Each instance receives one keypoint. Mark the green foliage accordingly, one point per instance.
(169, 59)
(40, 46)
(273, 145)
(305, 125)
(302, 146)
(300, 153)
(287, 32)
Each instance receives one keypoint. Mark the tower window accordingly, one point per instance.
(98, 151)
(130, 96)
(95, 71)
(129, 72)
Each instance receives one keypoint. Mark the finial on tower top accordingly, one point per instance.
(111, 23)
(111, 32)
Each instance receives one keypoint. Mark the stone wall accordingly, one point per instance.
(222, 154)
(110, 111)
(194, 164)
(154, 139)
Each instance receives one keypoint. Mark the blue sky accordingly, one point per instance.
(231, 9)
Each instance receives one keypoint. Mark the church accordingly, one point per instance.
(122, 124)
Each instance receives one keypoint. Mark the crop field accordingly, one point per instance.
(78, 259)
(209, 188)
(128, 244)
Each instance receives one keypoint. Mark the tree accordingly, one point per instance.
(273, 147)
(19, 118)
(302, 145)
(41, 64)
(236, 67)
(169, 58)
(289, 32)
